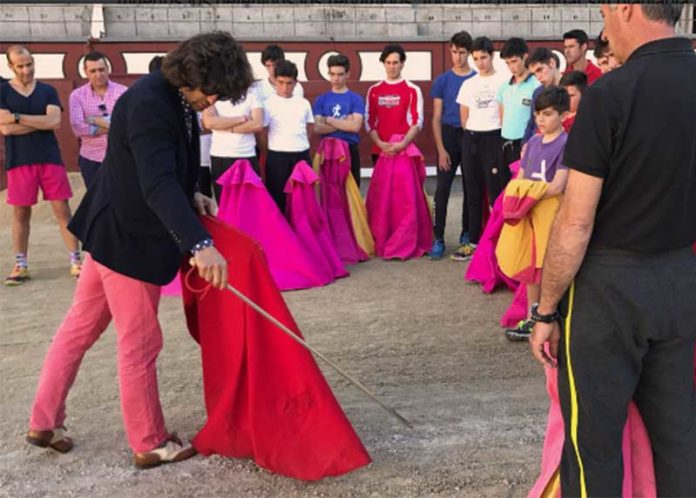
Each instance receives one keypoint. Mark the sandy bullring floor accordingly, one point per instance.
(414, 332)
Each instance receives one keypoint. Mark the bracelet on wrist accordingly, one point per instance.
(203, 244)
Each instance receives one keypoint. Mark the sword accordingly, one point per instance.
(311, 348)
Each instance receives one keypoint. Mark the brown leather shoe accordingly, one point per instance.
(55, 439)
(171, 450)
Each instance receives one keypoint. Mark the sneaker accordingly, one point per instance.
(171, 450)
(464, 239)
(464, 253)
(75, 269)
(437, 250)
(18, 276)
(521, 332)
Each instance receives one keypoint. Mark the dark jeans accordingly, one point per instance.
(355, 162)
(630, 330)
(452, 140)
(218, 166)
(88, 170)
(509, 153)
(279, 166)
(204, 185)
(480, 164)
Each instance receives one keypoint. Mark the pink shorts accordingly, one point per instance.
(23, 184)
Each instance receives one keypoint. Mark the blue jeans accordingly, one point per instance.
(88, 169)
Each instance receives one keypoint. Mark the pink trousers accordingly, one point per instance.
(100, 295)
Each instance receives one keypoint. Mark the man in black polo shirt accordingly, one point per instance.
(620, 251)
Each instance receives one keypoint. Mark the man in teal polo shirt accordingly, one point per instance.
(515, 99)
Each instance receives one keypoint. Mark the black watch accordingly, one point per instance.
(536, 317)
(16, 117)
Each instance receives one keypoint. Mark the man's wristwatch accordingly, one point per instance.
(16, 117)
(536, 317)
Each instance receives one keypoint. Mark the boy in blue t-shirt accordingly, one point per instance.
(447, 130)
(339, 112)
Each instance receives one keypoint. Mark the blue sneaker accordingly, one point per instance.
(437, 250)
(464, 239)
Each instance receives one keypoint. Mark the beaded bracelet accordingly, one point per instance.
(203, 244)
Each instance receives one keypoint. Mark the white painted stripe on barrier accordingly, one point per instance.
(46, 66)
(323, 69)
(260, 71)
(418, 66)
(138, 62)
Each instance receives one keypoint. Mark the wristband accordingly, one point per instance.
(203, 244)
(536, 317)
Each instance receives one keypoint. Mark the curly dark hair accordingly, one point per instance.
(214, 63)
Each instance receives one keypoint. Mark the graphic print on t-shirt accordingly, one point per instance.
(541, 174)
(485, 100)
(389, 100)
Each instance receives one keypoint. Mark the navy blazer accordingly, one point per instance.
(137, 219)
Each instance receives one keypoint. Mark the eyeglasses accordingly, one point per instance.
(102, 109)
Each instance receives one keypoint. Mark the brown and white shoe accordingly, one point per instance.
(170, 451)
(55, 439)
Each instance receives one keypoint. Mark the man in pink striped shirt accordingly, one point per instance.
(90, 113)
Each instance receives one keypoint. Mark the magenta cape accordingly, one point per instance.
(308, 222)
(334, 168)
(484, 267)
(173, 288)
(265, 396)
(247, 205)
(397, 209)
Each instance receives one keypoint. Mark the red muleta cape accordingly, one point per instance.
(265, 395)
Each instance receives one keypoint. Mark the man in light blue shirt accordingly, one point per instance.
(515, 99)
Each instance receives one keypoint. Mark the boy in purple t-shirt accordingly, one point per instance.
(542, 162)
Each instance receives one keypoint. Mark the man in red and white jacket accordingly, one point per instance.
(393, 106)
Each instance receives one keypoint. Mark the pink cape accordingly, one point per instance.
(639, 473)
(397, 210)
(247, 205)
(517, 310)
(333, 172)
(173, 288)
(484, 267)
(308, 222)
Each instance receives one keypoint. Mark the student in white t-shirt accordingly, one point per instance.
(480, 118)
(233, 127)
(287, 118)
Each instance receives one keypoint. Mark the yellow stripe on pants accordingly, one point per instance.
(573, 393)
